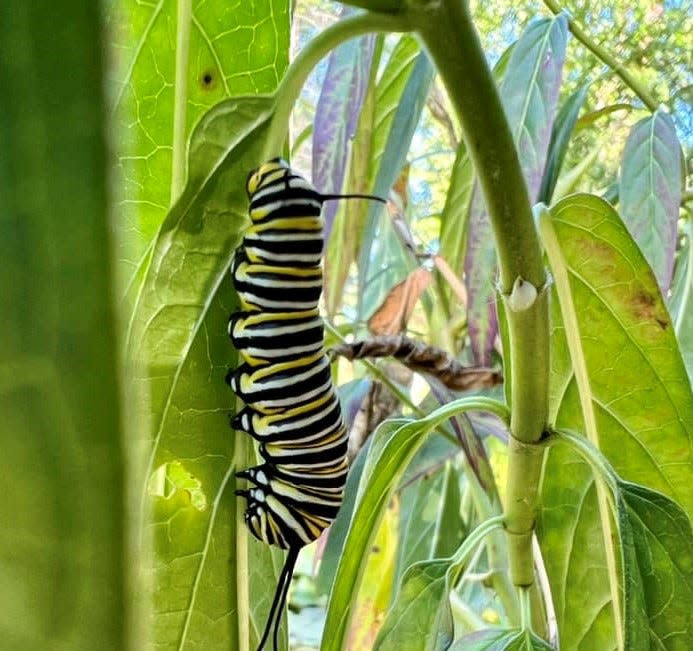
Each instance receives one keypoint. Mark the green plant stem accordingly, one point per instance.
(604, 55)
(448, 33)
(289, 89)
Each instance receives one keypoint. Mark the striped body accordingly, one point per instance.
(291, 407)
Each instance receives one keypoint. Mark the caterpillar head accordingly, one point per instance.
(266, 173)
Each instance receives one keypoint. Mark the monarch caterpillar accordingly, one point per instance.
(291, 407)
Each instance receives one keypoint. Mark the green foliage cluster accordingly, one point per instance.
(552, 513)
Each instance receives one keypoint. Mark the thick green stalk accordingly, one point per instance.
(448, 33)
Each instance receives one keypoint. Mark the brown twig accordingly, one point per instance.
(422, 358)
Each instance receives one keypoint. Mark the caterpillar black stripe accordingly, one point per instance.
(291, 406)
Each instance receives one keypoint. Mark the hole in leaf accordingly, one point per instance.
(169, 479)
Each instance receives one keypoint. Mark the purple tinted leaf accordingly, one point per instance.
(529, 92)
(337, 114)
(650, 191)
(480, 272)
(469, 439)
(351, 396)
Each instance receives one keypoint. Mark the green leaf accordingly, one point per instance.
(400, 97)
(650, 191)
(171, 63)
(655, 543)
(339, 528)
(681, 299)
(64, 525)
(560, 138)
(453, 220)
(637, 398)
(420, 619)
(394, 444)
(434, 527)
(178, 341)
(658, 566)
(501, 640)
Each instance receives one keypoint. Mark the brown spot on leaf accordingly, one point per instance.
(646, 307)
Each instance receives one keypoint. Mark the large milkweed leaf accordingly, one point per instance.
(64, 526)
(181, 352)
(650, 191)
(639, 403)
(171, 63)
(177, 343)
(529, 93)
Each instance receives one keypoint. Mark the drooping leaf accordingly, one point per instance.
(638, 401)
(64, 522)
(393, 315)
(650, 191)
(232, 50)
(529, 93)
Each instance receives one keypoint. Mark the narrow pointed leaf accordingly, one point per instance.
(560, 138)
(650, 191)
(400, 98)
(453, 221)
(336, 116)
